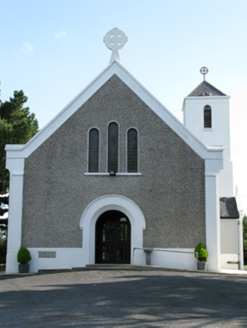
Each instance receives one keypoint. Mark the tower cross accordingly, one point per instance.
(204, 71)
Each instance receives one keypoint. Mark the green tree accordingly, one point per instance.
(245, 238)
(17, 126)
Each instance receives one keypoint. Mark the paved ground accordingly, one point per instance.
(123, 299)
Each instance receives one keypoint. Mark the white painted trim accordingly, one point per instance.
(212, 221)
(209, 98)
(96, 173)
(68, 258)
(118, 173)
(178, 258)
(101, 205)
(212, 212)
(128, 173)
(15, 212)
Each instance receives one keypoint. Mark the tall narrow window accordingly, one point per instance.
(93, 158)
(113, 147)
(207, 117)
(132, 144)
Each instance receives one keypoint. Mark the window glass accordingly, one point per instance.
(93, 160)
(132, 150)
(207, 117)
(113, 147)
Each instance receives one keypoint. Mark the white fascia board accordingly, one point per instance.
(14, 147)
(17, 151)
(199, 98)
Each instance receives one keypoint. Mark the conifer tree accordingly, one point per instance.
(17, 126)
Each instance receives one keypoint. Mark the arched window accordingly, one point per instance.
(132, 150)
(93, 150)
(207, 117)
(113, 147)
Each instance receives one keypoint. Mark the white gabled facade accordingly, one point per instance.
(212, 155)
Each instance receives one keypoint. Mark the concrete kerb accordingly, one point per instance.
(122, 268)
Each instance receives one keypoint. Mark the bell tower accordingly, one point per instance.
(206, 114)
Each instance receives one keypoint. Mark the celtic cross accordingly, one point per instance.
(115, 40)
(204, 71)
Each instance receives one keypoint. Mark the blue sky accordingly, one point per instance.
(52, 49)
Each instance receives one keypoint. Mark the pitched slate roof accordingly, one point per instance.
(228, 208)
(205, 89)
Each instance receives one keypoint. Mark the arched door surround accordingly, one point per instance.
(110, 203)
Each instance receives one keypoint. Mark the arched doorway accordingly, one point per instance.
(112, 238)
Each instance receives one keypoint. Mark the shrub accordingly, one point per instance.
(23, 255)
(201, 252)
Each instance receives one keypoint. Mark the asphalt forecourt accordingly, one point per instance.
(123, 298)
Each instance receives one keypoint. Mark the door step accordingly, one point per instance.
(118, 267)
(96, 267)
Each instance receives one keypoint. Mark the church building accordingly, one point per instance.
(115, 178)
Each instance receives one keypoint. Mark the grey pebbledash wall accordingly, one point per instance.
(170, 191)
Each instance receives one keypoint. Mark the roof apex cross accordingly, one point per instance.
(115, 40)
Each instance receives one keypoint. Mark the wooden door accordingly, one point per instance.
(112, 238)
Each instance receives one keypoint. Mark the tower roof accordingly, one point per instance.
(205, 89)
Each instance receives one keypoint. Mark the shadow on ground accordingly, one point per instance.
(123, 299)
